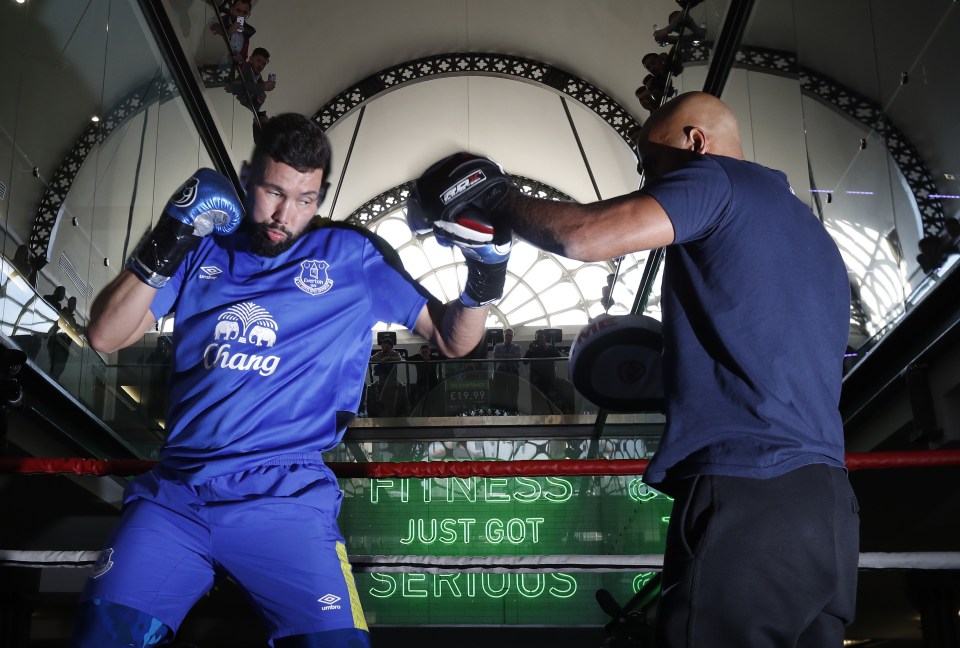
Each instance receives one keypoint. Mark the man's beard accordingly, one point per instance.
(262, 245)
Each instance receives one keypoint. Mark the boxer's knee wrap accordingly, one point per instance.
(102, 624)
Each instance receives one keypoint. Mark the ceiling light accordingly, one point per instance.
(94, 119)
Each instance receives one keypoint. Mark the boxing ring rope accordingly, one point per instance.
(445, 469)
(929, 560)
(462, 469)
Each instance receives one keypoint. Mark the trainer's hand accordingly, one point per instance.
(204, 204)
(454, 199)
(455, 190)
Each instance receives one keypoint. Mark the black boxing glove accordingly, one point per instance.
(205, 203)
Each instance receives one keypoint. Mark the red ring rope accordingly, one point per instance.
(440, 469)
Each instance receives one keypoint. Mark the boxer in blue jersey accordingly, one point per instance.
(762, 545)
(274, 312)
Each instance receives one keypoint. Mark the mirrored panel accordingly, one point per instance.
(843, 106)
(95, 139)
(876, 98)
(219, 37)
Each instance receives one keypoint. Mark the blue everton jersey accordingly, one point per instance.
(268, 350)
(756, 311)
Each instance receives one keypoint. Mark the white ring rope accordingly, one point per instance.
(942, 560)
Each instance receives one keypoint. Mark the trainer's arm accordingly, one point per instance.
(120, 314)
(452, 327)
(592, 232)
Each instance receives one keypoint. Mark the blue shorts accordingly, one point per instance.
(272, 529)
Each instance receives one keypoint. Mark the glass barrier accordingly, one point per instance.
(94, 137)
(483, 387)
(132, 396)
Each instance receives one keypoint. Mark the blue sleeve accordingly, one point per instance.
(164, 299)
(395, 296)
(696, 197)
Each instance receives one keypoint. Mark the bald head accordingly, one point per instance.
(695, 121)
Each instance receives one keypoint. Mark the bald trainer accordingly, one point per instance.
(762, 544)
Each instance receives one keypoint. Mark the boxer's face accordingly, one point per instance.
(283, 202)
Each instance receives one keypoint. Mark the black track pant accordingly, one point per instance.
(760, 563)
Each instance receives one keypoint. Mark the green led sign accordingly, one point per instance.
(499, 516)
(471, 585)
(492, 598)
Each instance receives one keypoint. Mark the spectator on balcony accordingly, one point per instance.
(427, 374)
(681, 27)
(239, 31)
(659, 64)
(54, 299)
(384, 360)
(59, 342)
(251, 90)
(506, 372)
(543, 370)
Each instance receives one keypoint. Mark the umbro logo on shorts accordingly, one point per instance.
(329, 602)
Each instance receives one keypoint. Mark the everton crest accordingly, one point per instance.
(313, 278)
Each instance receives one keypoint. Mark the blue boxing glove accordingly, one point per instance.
(454, 199)
(204, 204)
